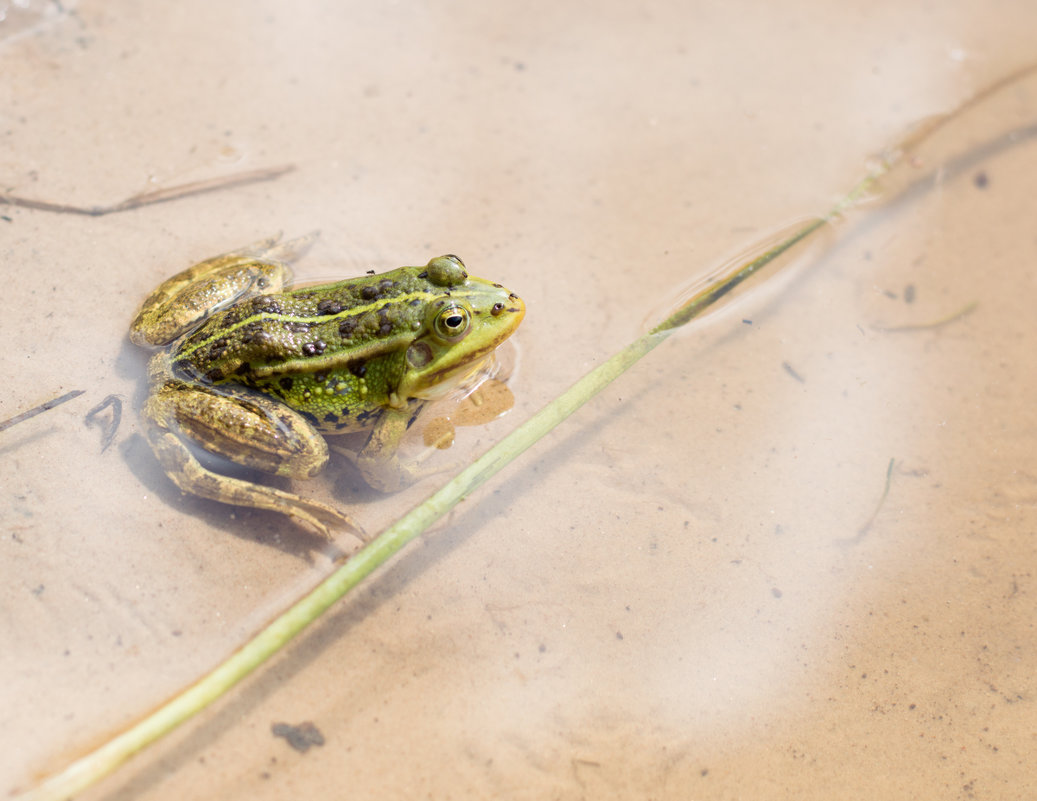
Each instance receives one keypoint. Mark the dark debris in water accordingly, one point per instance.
(299, 737)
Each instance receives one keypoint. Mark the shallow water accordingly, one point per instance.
(688, 589)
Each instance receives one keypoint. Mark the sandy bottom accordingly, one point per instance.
(791, 554)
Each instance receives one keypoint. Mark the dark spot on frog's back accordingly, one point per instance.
(214, 375)
(267, 304)
(297, 328)
(286, 383)
(329, 306)
(314, 348)
(357, 368)
(369, 292)
(347, 327)
(243, 368)
(256, 336)
(218, 348)
(331, 418)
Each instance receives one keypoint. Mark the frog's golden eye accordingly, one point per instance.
(452, 323)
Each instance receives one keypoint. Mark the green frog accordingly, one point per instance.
(259, 373)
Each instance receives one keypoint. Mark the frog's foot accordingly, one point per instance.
(392, 475)
(273, 249)
(191, 477)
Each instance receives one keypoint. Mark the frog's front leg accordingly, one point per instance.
(379, 462)
(249, 429)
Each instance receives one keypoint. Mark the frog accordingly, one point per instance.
(260, 372)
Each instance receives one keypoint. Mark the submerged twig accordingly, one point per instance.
(35, 410)
(280, 631)
(156, 196)
(950, 318)
(878, 508)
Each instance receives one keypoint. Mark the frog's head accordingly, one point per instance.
(464, 324)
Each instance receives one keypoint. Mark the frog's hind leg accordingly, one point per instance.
(249, 429)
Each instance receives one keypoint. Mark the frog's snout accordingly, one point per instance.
(515, 307)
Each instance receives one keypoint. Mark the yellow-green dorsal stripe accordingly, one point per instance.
(352, 311)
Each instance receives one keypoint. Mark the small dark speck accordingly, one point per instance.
(747, 322)
(542, 648)
(519, 66)
(789, 369)
(619, 635)
(38, 590)
(775, 592)
(5, 218)
(704, 772)
(909, 293)
(370, 272)
(981, 180)
(912, 706)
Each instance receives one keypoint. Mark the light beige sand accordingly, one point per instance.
(668, 599)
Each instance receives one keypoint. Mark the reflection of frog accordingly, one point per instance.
(257, 374)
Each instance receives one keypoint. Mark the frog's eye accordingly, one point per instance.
(452, 323)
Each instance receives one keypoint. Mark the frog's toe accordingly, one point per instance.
(255, 249)
(324, 518)
(291, 250)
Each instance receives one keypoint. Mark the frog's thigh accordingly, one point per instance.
(244, 426)
(249, 429)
